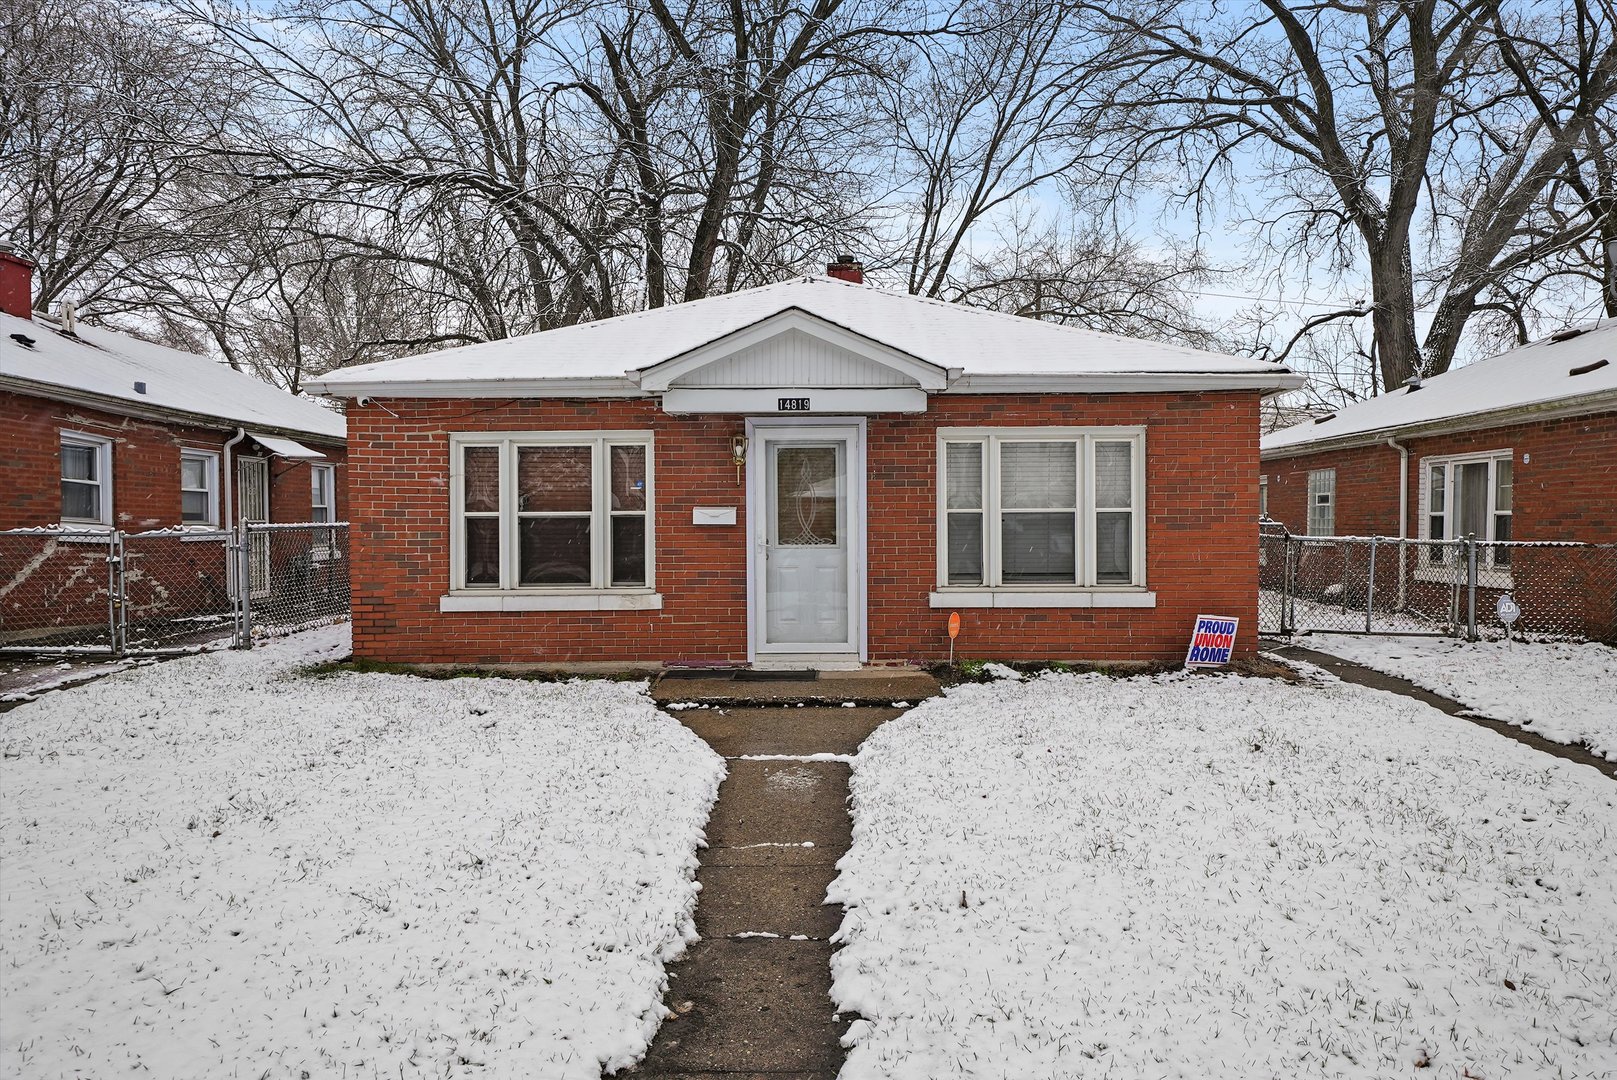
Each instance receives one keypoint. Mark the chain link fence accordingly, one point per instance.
(115, 593)
(1382, 585)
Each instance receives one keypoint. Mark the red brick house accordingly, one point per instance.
(1520, 446)
(104, 430)
(814, 472)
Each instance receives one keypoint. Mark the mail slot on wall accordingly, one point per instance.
(713, 515)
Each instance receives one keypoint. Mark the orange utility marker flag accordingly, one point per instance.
(954, 632)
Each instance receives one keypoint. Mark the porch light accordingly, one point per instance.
(738, 454)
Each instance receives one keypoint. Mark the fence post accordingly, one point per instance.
(117, 628)
(1370, 590)
(1471, 586)
(1288, 620)
(244, 587)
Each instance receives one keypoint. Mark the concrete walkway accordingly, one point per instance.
(1348, 671)
(752, 998)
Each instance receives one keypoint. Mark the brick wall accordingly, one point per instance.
(1565, 475)
(145, 465)
(1200, 507)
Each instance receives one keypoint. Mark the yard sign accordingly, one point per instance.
(1212, 642)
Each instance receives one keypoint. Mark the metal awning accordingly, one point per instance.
(286, 448)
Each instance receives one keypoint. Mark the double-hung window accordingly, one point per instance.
(1469, 495)
(1041, 509)
(1322, 502)
(199, 487)
(323, 509)
(86, 479)
(564, 511)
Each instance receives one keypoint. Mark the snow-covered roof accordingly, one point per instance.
(1564, 370)
(980, 350)
(103, 364)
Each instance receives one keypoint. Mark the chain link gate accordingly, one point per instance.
(166, 591)
(1387, 585)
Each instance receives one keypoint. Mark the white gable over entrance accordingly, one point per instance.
(794, 362)
(795, 358)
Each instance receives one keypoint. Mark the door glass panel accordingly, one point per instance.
(553, 479)
(807, 495)
(1038, 475)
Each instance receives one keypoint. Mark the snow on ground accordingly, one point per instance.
(1564, 692)
(1216, 876)
(221, 866)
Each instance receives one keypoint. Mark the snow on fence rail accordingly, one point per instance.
(1566, 590)
(106, 591)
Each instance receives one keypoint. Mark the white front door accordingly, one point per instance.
(806, 513)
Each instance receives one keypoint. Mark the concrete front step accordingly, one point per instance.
(813, 729)
(870, 687)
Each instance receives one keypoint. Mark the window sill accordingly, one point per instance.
(558, 601)
(1066, 598)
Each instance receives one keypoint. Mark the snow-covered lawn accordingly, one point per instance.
(1216, 876)
(1564, 692)
(220, 866)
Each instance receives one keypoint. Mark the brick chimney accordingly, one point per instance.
(16, 283)
(847, 268)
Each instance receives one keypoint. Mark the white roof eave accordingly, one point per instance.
(1139, 382)
(1599, 401)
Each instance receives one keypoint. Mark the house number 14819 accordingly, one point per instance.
(794, 404)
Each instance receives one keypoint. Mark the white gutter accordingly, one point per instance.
(1403, 518)
(621, 387)
(225, 514)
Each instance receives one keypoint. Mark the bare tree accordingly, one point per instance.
(1409, 138)
(105, 109)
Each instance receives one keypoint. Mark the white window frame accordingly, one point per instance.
(1489, 574)
(210, 479)
(103, 467)
(508, 596)
(1085, 590)
(1263, 498)
(1316, 488)
(324, 545)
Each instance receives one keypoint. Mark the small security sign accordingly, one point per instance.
(1212, 642)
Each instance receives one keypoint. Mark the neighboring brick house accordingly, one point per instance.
(1520, 446)
(809, 473)
(105, 430)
